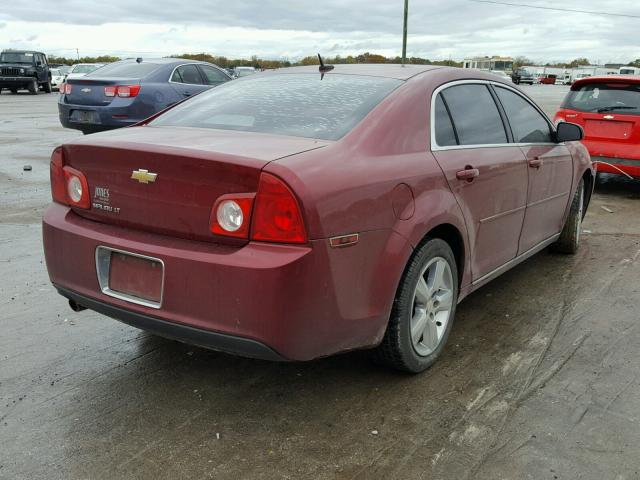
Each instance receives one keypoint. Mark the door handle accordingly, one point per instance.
(187, 94)
(536, 162)
(468, 174)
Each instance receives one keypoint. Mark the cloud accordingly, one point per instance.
(293, 28)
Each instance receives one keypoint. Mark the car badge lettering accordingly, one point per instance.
(143, 176)
(85, 90)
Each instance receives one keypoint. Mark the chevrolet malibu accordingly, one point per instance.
(295, 215)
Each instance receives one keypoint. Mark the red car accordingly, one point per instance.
(548, 80)
(608, 108)
(293, 215)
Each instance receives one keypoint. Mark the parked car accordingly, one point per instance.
(522, 75)
(123, 93)
(57, 78)
(290, 216)
(503, 75)
(548, 79)
(608, 108)
(24, 69)
(243, 71)
(79, 70)
(64, 70)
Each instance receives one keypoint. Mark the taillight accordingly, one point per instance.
(128, 90)
(271, 215)
(64, 88)
(276, 214)
(231, 215)
(110, 91)
(68, 185)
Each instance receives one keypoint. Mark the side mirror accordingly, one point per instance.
(38, 64)
(568, 132)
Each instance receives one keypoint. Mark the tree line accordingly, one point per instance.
(256, 62)
(366, 57)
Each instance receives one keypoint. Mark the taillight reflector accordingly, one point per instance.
(128, 90)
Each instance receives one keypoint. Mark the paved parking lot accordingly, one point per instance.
(540, 378)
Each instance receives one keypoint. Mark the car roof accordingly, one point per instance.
(397, 71)
(606, 79)
(164, 61)
(22, 51)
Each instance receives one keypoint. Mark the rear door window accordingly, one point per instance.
(187, 74)
(475, 115)
(445, 135)
(527, 124)
(617, 97)
(212, 75)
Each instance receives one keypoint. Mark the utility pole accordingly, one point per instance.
(78, 54)
(404, 32)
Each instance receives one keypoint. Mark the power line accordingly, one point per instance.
(557, 9)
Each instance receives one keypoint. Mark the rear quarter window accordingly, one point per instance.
(621, 98)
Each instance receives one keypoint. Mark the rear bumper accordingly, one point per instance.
(614, 165)
(268, 301)
(184, 333)
(103, 117)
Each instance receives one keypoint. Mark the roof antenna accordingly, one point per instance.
(324, 68)
(139, 59)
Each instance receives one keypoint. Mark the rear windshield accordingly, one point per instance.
(16, 57)
(84, 68)
(126, 70)
(300, 105)
(605, 97)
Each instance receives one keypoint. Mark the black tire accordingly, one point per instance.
(34, 87)
(570, 237)
(14, 90)
(47, 87)
(397, 348)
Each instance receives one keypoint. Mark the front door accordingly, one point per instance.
(487, 175)
(550, 168)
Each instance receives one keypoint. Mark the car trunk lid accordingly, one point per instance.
(90, 92)
(192, 168)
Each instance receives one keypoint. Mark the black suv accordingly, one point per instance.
(522, 76)
(24, 69)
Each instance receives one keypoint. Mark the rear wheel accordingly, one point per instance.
(33, 87)
(423, 310)
(570, 237)
(47, 87)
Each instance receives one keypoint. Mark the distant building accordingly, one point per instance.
(489, 63)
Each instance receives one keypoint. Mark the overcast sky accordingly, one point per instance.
(295, 28)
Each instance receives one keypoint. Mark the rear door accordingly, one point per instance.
(487, 174)
(187, 80)
(550, 168)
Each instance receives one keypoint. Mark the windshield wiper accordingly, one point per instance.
(615, 107)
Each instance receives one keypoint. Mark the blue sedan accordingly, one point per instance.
(124, 93)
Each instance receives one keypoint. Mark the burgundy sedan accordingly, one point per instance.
(292, 215)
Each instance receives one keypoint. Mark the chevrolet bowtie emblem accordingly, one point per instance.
(143, 176)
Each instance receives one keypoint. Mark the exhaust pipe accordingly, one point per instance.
(76, 307)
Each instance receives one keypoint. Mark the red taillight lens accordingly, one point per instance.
(231, 215)
(127, 90)
(276, 216)
(110, 91)
(67, 88)
(68, 185)
(58, 184)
